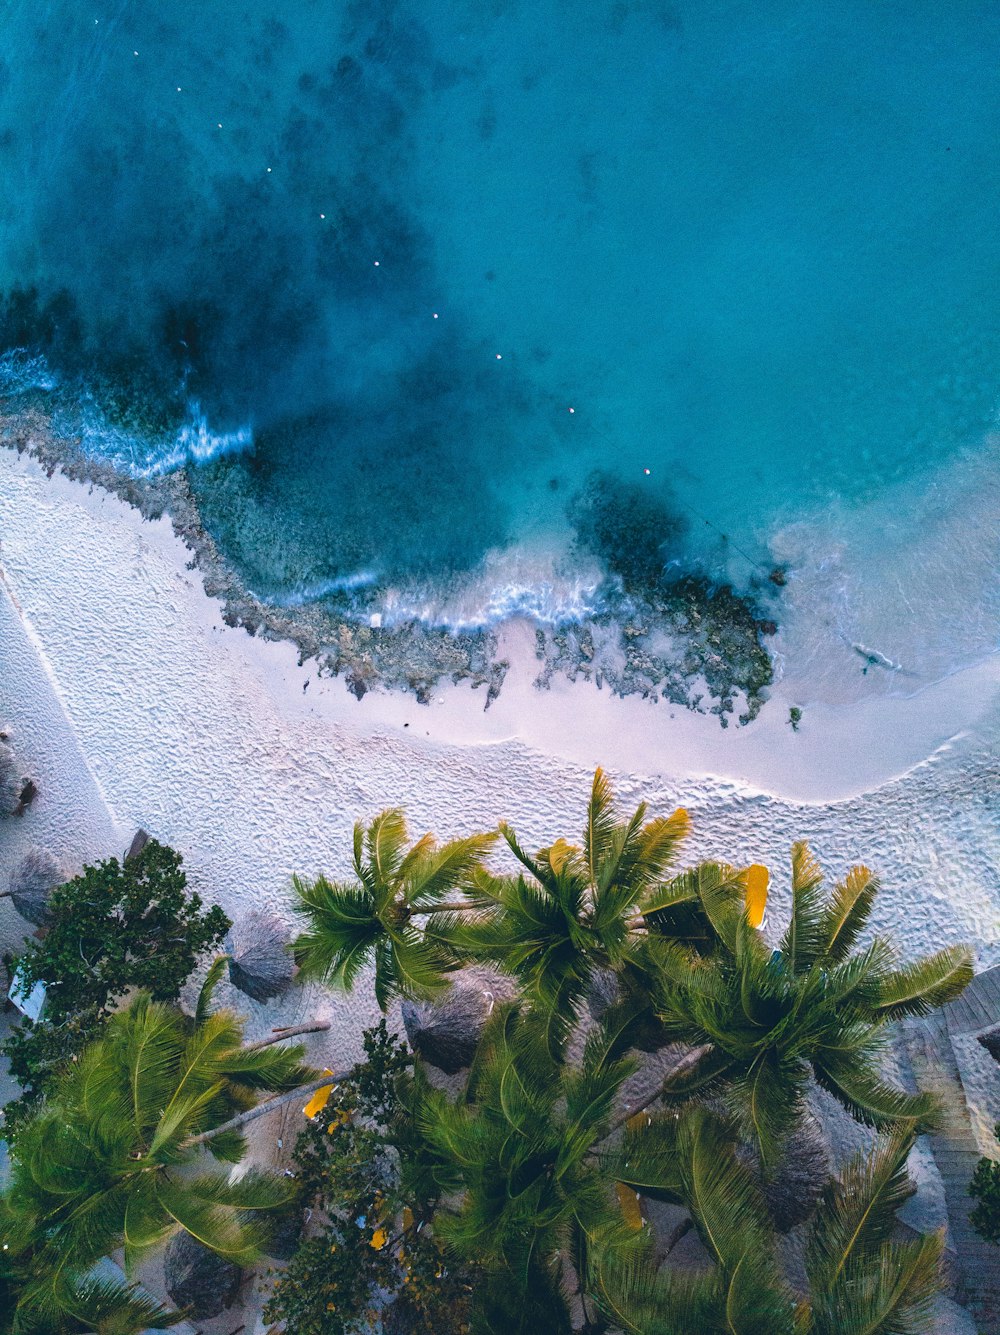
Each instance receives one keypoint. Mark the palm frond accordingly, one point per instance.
(639, 1300)
(845, 917)
(721, 1192)
(342, 933)
(768, 1100)
(861, 1280)
(525, 859)
(207, 991)
(598, 836)
(658, 841)
(445, 869)
(385, 840)
(887, 1292)
(803, 940)
(113, 1307)
(255, 1190)
(851, 1078)
(214, 1226)
(930, 981)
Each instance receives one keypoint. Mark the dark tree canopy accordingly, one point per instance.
(116, 927)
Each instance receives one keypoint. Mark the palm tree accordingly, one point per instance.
(768, 1021)
(517, 1159)
(77, 1305)
(125, 1152)
(574, 914)
(374, 918)
(858, 1278)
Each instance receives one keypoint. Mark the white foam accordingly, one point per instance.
(22, 371)
(138, 456)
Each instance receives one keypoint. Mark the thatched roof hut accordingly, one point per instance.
(793, 1189)
(260, 962)
(446, 1033)
(32, 882)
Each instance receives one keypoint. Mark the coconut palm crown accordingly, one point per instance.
(575, 911)
(124, 1152)
(858, 1277)
(375, 919)
(815, 1007)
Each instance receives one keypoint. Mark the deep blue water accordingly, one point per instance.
(354, 264)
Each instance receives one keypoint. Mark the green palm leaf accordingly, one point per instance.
(928, 982)
(851, 1078)
(804, 939)
(342, 933)
(845, 917)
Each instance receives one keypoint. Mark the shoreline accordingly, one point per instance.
(695, 640)
(255, 767)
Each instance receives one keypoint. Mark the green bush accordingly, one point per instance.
(985, 1187)
(118, 926)
(359, 1167)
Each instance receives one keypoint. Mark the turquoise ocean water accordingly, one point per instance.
(394, 280)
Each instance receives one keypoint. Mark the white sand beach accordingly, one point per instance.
(135, 705)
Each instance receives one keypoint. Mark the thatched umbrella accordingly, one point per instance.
(260, 962)
(446, 1033)
(793, 1189)
(197, 1278)
(32, 882)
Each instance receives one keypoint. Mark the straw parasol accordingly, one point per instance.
(32, 882)
(260, 962)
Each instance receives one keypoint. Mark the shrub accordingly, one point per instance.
(118, 926)
(358, 1166)
(985, 1188)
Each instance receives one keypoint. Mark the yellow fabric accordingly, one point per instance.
(629, 1201)
(320, 1099)
(756, 879)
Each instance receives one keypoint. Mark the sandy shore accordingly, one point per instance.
(136, 705)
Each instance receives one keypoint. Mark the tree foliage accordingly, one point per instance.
(358, 1169)
(118, 926)
(117, 1156)
(769, 1021)
(985, 1189)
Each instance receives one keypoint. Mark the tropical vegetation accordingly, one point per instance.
(985, 1190)
(134, 1142)
(518, 1199)
(118, 926)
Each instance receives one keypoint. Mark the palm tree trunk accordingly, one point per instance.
(279, 1035)
(689, 1059)
(262, 1109)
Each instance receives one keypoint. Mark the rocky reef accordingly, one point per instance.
(663, 631)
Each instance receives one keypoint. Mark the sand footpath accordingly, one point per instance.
(136, 705)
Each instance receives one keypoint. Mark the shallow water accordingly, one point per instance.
(355, 264)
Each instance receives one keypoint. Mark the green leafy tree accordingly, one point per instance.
(376, 919)
(985, 1189)
(766, 1022)
(117, 927)
(125, 1151)
(859, 1278)
(358, 1171)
